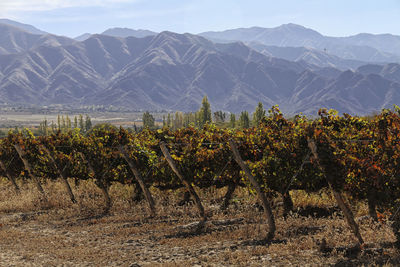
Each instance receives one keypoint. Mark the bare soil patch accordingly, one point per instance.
(59, 233)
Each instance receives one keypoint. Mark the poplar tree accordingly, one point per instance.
(205, 112)
(88, 123)
(45, 125)
(219, 117)
(192, 118)
(232, 121)
(169, 122)
(186, 119)
(178, 121)
(53, 127)
(59, 122)
(63, 125)
(148, 120)
(244, 120)
(69, 124)
(81, 123)
(258, 114)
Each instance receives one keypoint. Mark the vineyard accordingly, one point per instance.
(353, 157)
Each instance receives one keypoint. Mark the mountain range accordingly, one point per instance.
(119, 32)
(170, 71)
(25, 27)
(363, 47)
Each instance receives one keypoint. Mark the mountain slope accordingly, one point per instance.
(178, 70)
(389, 71)
(171, 71)
(119, 32)
(14, 40)
(83, 37)
(353, 93)
(309, 55)
(126, 32)
(22, 26)
(284, 35)
(383, 42)
(363, 47)
(46, 75)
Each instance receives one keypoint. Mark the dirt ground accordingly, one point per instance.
(57, 233)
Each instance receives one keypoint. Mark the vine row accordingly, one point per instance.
(347, 154)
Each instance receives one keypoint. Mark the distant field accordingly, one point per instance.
(24, 119)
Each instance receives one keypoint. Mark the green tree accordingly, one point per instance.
(205, 112)
(186, 120)
(41, 129)
(169, 122)
(148, 120)
(81, 123)
(192, 118)
(232, 121)
(69, 124)
(45, 127)
(88, 123)
(178, 121)
(53, 127)
(197, 119)
(59, 122)
(258, 114)
(219, 117)
(244, 120)
(63, 124)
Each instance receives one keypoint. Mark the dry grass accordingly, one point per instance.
(34, 232)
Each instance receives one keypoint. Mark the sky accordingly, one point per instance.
(329, 17)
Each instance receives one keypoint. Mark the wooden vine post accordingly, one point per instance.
(10, 177)
(228, 195)
(139, 179)
(60, 174)
(188, 186)
(339, 198)
(261, 196)
(100, 184)
(287, 204)
(28, 167)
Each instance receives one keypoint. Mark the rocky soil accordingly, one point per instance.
(78, 235)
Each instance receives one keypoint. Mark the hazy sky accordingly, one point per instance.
(329, 17)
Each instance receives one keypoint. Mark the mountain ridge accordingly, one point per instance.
(23, 26)
(363, 47)
(171, 71)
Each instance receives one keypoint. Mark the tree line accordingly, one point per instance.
(172, 121)
(204, 115)
(65, 124)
